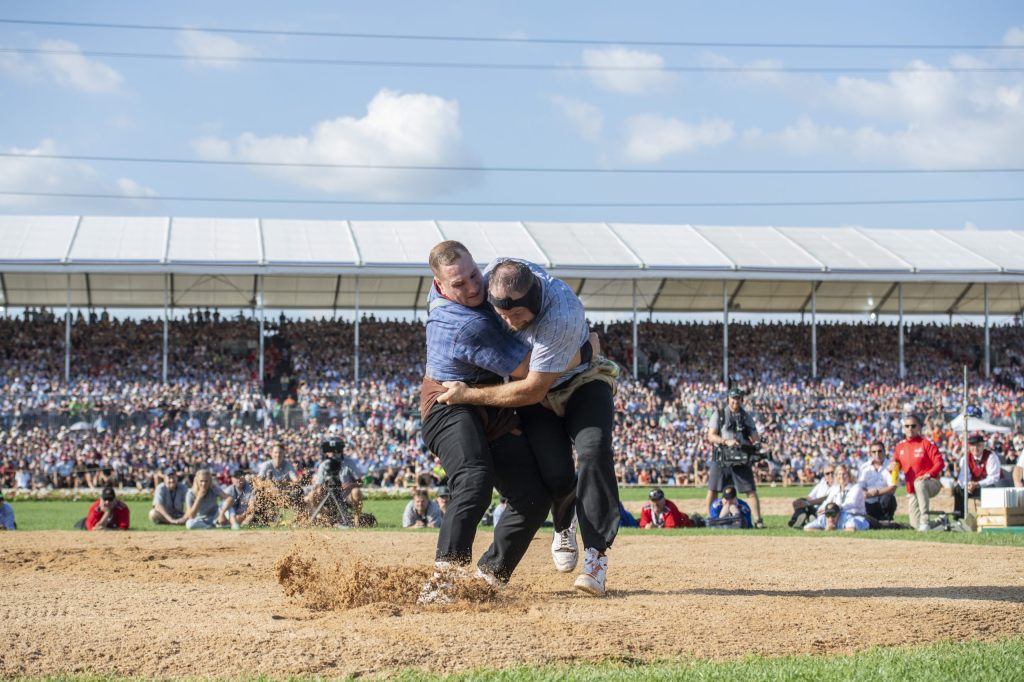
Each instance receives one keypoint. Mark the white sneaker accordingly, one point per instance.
(564, 551)
(235, 525)
(595, 566)
(924, 527)
(438, 589)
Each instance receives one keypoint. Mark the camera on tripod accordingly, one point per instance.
(334, 448)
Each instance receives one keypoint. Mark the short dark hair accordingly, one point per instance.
(511, 277)
(446, 253)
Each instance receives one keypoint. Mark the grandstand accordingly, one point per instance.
(162, 262)
(193, 390)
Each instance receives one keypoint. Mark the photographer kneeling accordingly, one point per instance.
(843, 509)
(733, 433)
(336, 478)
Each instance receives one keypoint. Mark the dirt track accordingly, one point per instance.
(209, 604)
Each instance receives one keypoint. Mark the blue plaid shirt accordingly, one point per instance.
(469, 344)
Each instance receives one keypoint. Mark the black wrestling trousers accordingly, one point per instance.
(455, 434)
(588, 423)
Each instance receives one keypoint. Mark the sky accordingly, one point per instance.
(634, 106)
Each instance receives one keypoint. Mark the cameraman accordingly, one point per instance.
(733, 427)
(339, 474)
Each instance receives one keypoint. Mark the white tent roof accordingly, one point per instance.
(128, 262)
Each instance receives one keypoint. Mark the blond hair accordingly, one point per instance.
(202, 473)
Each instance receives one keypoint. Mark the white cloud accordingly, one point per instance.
(200, 45)
(585, 118)
(956, 143)
(763, 71)
(926, 92)
(57, 175)
(651, 137)
(76, 71)
(641, 72)
(398, 129)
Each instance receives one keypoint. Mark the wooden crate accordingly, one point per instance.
(1000, 517)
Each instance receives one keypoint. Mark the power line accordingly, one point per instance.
(511, 39)
(494, 66)
(521, 204)
(515, 169)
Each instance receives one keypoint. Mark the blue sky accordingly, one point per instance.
(932, 118)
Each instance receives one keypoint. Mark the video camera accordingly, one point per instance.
(334, 448)
(738, 454)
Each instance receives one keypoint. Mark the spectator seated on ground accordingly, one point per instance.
(984, 469)
(169, 500)
(444, 496)
(661, 512)
(6, 515)
(876, 480)
(806, 508)
(729, 512)
(108, 513)
(422, 513)
(843, 509)
(201, 502)
(237, 508)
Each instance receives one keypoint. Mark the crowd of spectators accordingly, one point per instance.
(118, 424)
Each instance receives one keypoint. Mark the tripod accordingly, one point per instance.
(338, 508)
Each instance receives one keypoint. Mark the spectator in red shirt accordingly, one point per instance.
(921, 463)
(107, 513)
(662, 513)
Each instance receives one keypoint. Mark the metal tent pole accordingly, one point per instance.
(636, 350)
(356, 339)
(903, 365)
(725, 333)
(260, 302)
(67, 336)
(814, 330)
(167, 296)
(988, 348)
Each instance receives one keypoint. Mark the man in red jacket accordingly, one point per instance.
(921, 463)
(662, 513)
(107, 513)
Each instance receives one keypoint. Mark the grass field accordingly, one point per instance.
(62, 515)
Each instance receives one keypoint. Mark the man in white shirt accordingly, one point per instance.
(879, 490)
(846, 499)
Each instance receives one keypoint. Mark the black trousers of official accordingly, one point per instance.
(455, 433)
(882, 507)
(589, 489)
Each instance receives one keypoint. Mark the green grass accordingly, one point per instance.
(959, 661)
(62, 515)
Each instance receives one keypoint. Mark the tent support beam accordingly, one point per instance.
(886, 296)
(636, 350)
(67, 337)
(88, 291)
(725, 333)
(807, 301)
(956, 301)
(3, 288)
(416, 301)
(657, 295)
(736, 293)
(356, 339)
(579, 287)
(259, 302)
(988, 348)
(337, 290)
(814, 330)
(903, 364)
(167, 297)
